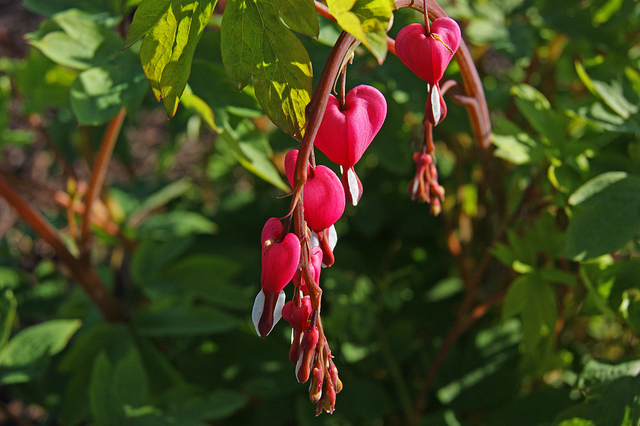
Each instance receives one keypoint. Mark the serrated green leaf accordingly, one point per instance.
(148, 13)
(606, 216)
(366, 20)
(256, 42)
(167, 49)
(75, 40)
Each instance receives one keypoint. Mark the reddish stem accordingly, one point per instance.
(97, 176)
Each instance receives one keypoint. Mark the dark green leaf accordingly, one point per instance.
(534, 300)
(103, 407)
(256, 42)
(183, 320)
(8, 307)
(606, 216)
(176, 224)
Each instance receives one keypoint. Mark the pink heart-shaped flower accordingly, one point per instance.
(323, 196)
(428, 55)
(279, 259)
(343, 136)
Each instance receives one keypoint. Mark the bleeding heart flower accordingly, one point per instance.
(280, 261)
(428, 54)
(323, 197)
(297, 316)
(344, 135)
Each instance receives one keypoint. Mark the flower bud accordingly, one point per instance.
(307, 352)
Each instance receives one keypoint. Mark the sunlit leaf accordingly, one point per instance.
(366, 20)
(257, 43)
(167, 49)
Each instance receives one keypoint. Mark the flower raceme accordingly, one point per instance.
(345, 133)
(323, 197)
(280, 261)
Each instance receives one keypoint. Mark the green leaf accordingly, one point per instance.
(537, 110)
(38, 341)
(208, 277)
(534, 300)
(252, 150)
(600, 371)
(611, 94)
(176, 224)
(195, 104)
(256, 42)
(101, 8)
(75, 40)
(103, 407)
(515, 145)
(366, 20)
(614, 402)
(129, 383)
(606, 216)
(8, 307)
(98, 94)
(183, 320)
(148, 13)
(167, 49)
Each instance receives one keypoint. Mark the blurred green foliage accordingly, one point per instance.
(530, 274)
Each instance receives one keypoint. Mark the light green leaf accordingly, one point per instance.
(176, 224)
(366, 20)
(38, 341)
(611, 94)
(148, 13)
(167, 49)
(195, 104)
(537, 110)
(73, 39)
(252, 150)
(98, 94)
(606, 216)
(256, 42)
(515, 145)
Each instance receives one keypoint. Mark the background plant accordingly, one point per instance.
(517, 304)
